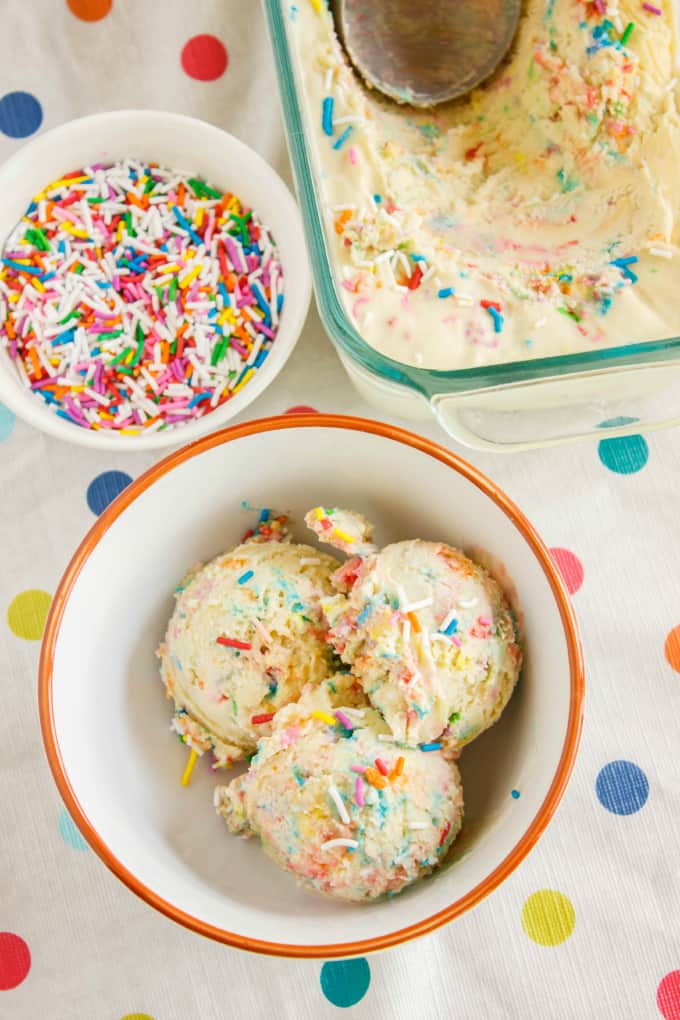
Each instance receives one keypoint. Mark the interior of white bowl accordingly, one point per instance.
(182, 143)
(110, 719)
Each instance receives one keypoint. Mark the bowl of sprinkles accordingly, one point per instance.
(153, 279)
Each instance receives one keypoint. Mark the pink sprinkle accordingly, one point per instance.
(342, 718)
(359, 768)
(359, 791)
(485, 621)
(357, 304)
(353, 156)
(456, 640)
(652, 9)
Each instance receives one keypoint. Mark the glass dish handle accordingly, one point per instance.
(560, 409)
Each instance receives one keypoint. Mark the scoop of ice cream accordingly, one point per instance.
(348, 813)
(431, 638)
(246, 635)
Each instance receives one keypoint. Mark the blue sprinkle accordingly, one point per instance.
(630, 260)
(298, 607)
(364, 615)
(32, 207)
(262, 302)
(31, 270)
(497, 319)
(343, 137)
(377, 198)
(198, 398)
(259, 360)
(225, 294)
(430, 747)
(244, 578)
(67, 337)
(327, 116)
(185, 225)
(279, 303)
(451, 629)
(418, 258)
(446, 292)
(264, 516)
(62, 247)
(213, 313)
(103, 285)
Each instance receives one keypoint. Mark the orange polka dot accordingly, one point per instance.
(89, 10)
(672, 648)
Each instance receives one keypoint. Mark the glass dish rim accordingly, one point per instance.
(427, 381)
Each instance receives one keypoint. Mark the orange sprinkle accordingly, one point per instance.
(341, 220)
(133, 200)
(398, 769)
(181, 195)
(415, 623)
(373, 777)
(37, 367)
(9, 327)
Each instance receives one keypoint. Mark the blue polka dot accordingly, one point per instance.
(622, 787)
(345, 982)
(613, 423)
(103, 489)
(7, 420)
(69, 832)
(514, 794)
(20, 114)
(625, 455)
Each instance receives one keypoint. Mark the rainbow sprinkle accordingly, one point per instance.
(135, 298)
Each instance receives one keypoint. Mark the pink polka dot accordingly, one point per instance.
(301, 409)
(15, 960)
(570, 567)
(204, 58)
(668, 996)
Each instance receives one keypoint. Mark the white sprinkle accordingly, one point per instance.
(217, 796)
(464, 300)
(406, 632)
(309, 561)
(662, 253)
(328, 81)
(387, 738)
(413, 606)
(449, 618)
(352, 844)
(348, 120)
(339, 803)
(418, 825)
(539, 323)
(467, 603)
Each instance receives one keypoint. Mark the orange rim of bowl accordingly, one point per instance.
(569, 748)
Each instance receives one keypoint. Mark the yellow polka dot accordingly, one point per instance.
(548, 917)
(136, 1016)
(27, 613)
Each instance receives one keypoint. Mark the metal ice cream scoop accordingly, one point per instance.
(424, 52)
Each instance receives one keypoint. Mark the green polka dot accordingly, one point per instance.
(548, 917)
(345, 982)
(27, 613)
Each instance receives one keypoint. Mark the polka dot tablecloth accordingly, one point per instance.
(588, 928)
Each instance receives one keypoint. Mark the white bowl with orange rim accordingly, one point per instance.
(105, 718)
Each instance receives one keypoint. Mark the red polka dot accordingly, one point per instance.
(668, 996)
(15, 960)
(569, 567)
(301, 409)
(204, 58)
(89, 10)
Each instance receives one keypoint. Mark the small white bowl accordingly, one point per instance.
(183, 143)
(105, 718)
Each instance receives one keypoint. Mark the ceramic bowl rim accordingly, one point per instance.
(576, 670)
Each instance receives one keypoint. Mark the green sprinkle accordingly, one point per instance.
(78, 269)
(96, 201)
(218, 353)
(568, 312)
(112, 336)
(37, 237)
(140, 348)
(119, 357)
(455, 717)
(531, 73)
(75, 314)
(149, 186)
(173, 347)
(159, 292)
(628, 31)
(173, 289)
(125, 371)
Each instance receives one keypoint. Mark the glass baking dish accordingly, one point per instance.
(511, 406)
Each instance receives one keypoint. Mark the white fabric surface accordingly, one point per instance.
(98, 953)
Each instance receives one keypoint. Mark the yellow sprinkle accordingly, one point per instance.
(316, 4)
(324, 717)
(226, 318)
(67, 182)
(40, 287)
(174, 268)
(342, 535)
(246, 378)
(319, 513)
(199, 215)
(128, 432)
(192, 757)
(190, 277)
(74, 230)
(520, 157)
